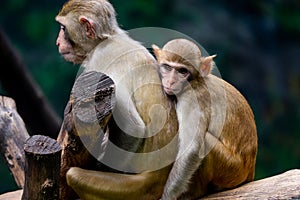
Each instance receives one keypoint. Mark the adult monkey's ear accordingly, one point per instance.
(157, 52)
(207, 65)
(89, 27)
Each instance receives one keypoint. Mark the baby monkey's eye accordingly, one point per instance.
(183, 72)
(166, 67)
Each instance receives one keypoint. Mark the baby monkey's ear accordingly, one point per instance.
(157, 52)
(207, 64)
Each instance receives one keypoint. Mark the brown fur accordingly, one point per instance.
(227, 157)
(232, 154)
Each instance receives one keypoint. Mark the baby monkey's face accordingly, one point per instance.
(174, 77)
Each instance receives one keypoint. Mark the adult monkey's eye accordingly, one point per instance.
(62, 27)
(67, 37)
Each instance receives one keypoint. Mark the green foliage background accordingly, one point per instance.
(257, 43)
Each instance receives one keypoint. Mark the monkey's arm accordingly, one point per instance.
(98, 185)
(181, 173)
(193, 123)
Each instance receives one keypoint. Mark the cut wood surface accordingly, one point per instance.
(13, 135)
(282, 186)
(42, 166)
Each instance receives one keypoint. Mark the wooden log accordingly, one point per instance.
(15, 195)
(13, 135)
(42, 168)
(88, 110)
(283, 186)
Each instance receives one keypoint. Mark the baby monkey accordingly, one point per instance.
(217, 131)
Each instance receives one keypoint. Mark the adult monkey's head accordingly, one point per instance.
(84, 24)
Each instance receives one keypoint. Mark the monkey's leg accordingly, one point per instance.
(96, 185)
(230, 166)
(222, 167)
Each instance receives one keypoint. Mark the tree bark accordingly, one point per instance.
(42, 168)
(283, 186)
(88, 110)
(13, 135)
(33, 106)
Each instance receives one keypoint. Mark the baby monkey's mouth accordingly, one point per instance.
(171, 91)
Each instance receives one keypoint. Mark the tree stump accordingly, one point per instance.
(88, 111)
(42, 168)
(13, 135)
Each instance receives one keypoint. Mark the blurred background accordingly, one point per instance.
(257, 43)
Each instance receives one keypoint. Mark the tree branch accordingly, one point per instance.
(33, 106)
(282, 186)
(13, 135)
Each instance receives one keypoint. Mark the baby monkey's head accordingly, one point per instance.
(181, 61)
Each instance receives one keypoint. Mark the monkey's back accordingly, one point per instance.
(239, 132)
(231, 141)
(138, 94)
(239, 119)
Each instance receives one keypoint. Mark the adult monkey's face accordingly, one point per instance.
(83, 28)
(76, 38)
(66, 47)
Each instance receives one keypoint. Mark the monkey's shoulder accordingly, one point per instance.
(213, 81)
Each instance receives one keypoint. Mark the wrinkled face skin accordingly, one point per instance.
(174, 77)
(66, 47)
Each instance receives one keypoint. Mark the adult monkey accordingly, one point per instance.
(90, 35)
(211, 157)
